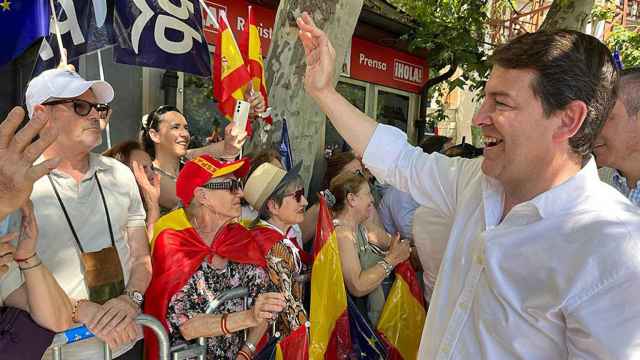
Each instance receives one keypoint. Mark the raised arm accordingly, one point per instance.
(354, 126)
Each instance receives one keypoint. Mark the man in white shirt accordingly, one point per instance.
(89, 205)
(618, 145)
(543, 259)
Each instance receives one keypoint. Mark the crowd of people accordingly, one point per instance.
(524, 252)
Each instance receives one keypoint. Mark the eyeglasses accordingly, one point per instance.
(298, 194)
(81, 107)
(232, 185)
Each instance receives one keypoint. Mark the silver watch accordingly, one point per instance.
(136, 296)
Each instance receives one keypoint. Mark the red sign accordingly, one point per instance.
(236, 12)
(381, 65)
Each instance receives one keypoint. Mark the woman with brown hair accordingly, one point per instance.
(367, 267)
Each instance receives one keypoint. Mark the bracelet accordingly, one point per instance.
(250, 346)
(244, 354)
(25, 259)
(223, 325)
(74, 312)
(30, 267)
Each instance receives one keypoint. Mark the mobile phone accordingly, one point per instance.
(240, 116)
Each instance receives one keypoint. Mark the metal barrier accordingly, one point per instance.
(81, 333)
(199, 349)
(181, 352)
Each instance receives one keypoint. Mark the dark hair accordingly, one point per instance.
(434, 143)
(264, 156)
(630, 90)
(343, 185)
(153, 122)
(278, 195)
(463, 150)
(122, 151)
(335, 164)
(568, 66)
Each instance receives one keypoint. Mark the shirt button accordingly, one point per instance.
(479, 259)
(446, 349)
(463, 306)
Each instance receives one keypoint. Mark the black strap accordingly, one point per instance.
(66, 215)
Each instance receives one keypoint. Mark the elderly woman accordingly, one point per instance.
(165, 137)
(279, 197)
(367, 267)
(199, 251)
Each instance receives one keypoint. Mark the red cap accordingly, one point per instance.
(200, 170)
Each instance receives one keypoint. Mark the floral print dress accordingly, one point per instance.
(205, 284)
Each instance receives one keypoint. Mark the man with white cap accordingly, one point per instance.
(92, 220)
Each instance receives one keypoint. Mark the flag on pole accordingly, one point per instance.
(293, 347)
(21, 24)
(403, 315)
(285, 147)
(252, 50)
(330, 336)
(230, 72)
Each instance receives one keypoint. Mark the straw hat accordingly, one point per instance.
(264, 181)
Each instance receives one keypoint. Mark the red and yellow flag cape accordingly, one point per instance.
(177, 252)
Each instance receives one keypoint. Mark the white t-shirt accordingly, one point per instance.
(56, 245)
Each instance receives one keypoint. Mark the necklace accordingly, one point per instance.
(163, 172)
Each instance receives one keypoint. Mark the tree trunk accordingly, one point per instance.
(285, 68)
(568, 14)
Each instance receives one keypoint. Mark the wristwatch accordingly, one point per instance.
(136, 296)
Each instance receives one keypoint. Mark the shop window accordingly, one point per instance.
(356, 95)
(393, 109)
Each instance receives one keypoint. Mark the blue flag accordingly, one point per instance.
(21, 23)
(85, 26)
(366, 343)
(162, 35)
(285, 147)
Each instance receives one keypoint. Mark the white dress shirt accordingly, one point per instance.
(558, 278)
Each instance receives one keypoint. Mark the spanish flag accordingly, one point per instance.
(293, 347)
(403, 315)
(330, 337)
(230, 71)
(252, 50)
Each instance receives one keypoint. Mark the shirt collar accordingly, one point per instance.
(557, 200)
(96, 163)
(620, 182)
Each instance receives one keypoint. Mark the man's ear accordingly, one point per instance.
(200, 194)
(570, 120)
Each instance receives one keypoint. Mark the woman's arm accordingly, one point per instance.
(41, 295)
(206, 325)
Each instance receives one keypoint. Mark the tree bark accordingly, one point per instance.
(568, 14)
(285, 67)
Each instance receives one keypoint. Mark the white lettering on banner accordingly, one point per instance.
(70, 24)
(175, 47)
(404, 71)
(100, 10)
(372, 63)
(164, 22)
(262, 31)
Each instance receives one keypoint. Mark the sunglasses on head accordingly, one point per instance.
(232, 185)
(81, 107)
(298, 194)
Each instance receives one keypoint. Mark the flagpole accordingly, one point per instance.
(63, 53)
(101, 68)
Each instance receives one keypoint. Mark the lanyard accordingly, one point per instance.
(66, 215)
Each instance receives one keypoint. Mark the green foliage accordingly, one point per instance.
(625, 39)
(453, 32)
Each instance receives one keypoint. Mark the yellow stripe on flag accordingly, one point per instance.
(175, 220)
(232, 57)
(402, 319)
(279, 355)
(256, 55)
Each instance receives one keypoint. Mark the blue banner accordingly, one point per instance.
(365, 342)
(85, 26)
(16, 35)
(162, 34)
(285, 147)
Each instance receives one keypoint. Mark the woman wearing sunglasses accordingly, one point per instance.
(279, 198)
(199, 251)
(367, 267)
(165, 137)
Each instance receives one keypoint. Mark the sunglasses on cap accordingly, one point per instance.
(232, 185)
(81, 107)
(298, 194)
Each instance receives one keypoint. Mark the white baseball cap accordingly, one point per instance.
(64, 84)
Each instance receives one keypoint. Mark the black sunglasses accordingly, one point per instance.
(298, 194)
(232, 185)
(81, 107)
